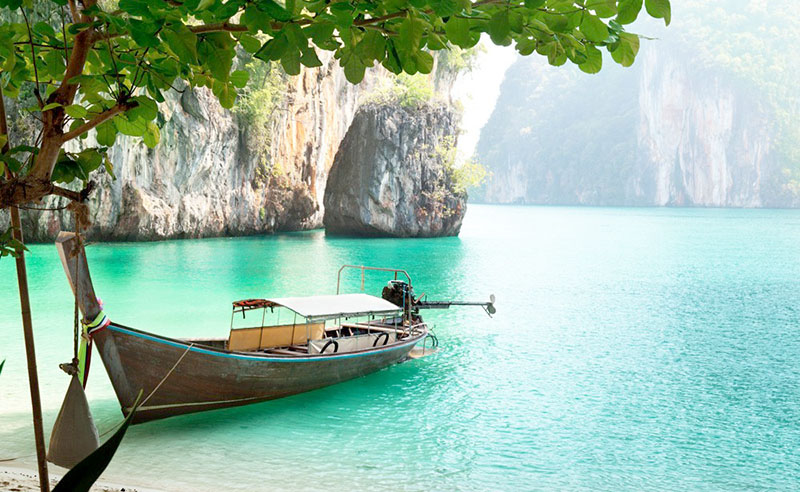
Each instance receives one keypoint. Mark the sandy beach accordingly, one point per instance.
(18, 479)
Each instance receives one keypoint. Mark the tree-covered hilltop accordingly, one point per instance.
(756, 41)
(703, 118)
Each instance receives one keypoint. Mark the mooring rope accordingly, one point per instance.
(157, 386)
(168, 374)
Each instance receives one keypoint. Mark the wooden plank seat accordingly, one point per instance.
(372, 327)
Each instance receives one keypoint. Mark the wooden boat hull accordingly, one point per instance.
(195, 378)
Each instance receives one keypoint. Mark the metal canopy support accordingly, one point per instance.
(363, 270)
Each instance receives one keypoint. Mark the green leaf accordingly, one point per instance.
(628, 11)
(67, 169)
(106, 134)
(144, 33)
(135, 128)
(372, 46)
(354, 71)
(444, 8)
(310, 58)
(342, 13)
(13, 164)
(274, 10)
(626, 51)
(76, 111)
(250, 43)
(239, 78)
(409, 34)
(152, 135)
(22, 148)
(109, 167)
(660, 9)
(593, 28)
(146, 109)
(557, 22)
(424, 62)
(320, 33)
(594, 60)
(1, 365)
(225, 92)
(525, 46)
(83, 475)
(392, 60)
(603, 8)
(291, 62)
(89, 160)
(219, 61)
(274, 48)
(457, 30)
(516, 21)
(499, 28)
(78, 27)
(255, 20)
(48, 107)
(137, 8)
(182, 42)
(55, 63)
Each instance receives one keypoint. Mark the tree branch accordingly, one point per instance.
(72, 195)
(218, 27)
(98, 120)
(73, 9)
(53, 120)
(33, 60)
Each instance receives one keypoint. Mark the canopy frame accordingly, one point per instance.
(336, 306)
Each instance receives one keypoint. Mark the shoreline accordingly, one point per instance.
(26, 479)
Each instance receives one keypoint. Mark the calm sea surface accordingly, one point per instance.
(632, 349)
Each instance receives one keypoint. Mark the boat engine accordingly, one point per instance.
(399, 293)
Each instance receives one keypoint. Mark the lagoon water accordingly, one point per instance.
(633, 349)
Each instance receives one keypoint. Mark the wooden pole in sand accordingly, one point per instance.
(27, 325)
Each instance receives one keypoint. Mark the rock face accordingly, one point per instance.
(388, 179)
(665, 132)
(205, 179)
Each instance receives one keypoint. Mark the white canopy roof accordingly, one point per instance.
(335, 306)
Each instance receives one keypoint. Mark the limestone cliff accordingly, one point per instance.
(388, 179)
(667, 131)
(216, 174)
(205, 178)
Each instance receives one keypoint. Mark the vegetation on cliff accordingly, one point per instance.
(758, 54)
(256, 106)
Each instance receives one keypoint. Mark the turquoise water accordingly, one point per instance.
(632, 349)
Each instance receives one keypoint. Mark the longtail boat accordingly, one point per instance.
(287, 345)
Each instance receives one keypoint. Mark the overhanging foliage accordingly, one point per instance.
(104, 65)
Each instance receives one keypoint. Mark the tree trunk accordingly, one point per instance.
(27, 326)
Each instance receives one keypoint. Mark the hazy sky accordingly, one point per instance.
(478, 92)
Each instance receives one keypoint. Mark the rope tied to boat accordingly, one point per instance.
(98, 323)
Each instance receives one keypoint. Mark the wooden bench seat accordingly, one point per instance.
(372, 327)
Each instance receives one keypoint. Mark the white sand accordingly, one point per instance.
(14, 479)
